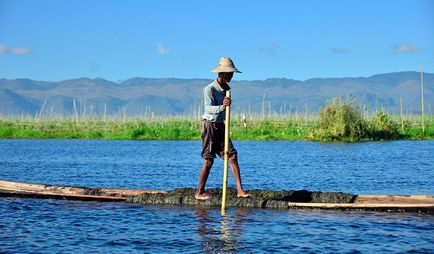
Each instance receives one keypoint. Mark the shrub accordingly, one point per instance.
(341, 121)
(136, 133)
(382, 127)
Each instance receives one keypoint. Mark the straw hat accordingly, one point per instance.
(225, 65)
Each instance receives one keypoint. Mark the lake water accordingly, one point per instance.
(31, 225)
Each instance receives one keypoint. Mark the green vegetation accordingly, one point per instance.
(379, 127)
(98, 128)
(139, 129)
(344, 121)
(339, 121)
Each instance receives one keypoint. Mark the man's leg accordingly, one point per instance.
(204, 173)
(233, 160)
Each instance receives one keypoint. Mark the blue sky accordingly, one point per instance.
(117, 40)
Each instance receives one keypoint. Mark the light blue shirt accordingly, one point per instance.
(213, 96)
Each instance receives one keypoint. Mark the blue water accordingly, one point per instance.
(31, 225)
(403, 167)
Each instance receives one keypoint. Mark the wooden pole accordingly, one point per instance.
(421, 93)
(402, 117)
(42, 108)
(245, 122)
(105, 112)
(226, 157)
(75, 111)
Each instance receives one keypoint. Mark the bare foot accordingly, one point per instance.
(243, 194)
(203, 196)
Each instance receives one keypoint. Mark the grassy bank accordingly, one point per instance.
(170, 128)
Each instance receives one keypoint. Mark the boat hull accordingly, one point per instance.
(290, 199)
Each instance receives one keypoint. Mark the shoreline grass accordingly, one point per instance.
(188, 128)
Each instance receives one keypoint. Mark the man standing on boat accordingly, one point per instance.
(213, 128)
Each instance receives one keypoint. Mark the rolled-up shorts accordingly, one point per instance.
(213, 140)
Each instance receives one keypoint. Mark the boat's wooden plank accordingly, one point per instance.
(60, 196)
(355, 205)
(44, 189)
(401, 199)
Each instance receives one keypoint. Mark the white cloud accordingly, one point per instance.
(162, 49)
(339, 50)
(405, 48)
(13, 50)
(20, 51)
(270, 50)
(3, 49)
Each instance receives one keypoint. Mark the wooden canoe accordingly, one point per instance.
(406, 203)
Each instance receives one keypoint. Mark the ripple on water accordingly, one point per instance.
(108, 227)
(31, 225)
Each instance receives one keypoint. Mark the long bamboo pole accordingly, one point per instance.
(226, 157)
(402, 116)
(422, 95)
(75, 111)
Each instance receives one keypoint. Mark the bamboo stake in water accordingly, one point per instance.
(42, 108)
(402, 116)
(423, 106)
(245, 122)
(75, 111)
(226, 157)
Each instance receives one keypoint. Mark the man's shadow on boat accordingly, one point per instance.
(221, 233)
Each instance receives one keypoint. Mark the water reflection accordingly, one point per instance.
(221, 233)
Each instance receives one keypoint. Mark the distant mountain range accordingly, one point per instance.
(171, 96)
